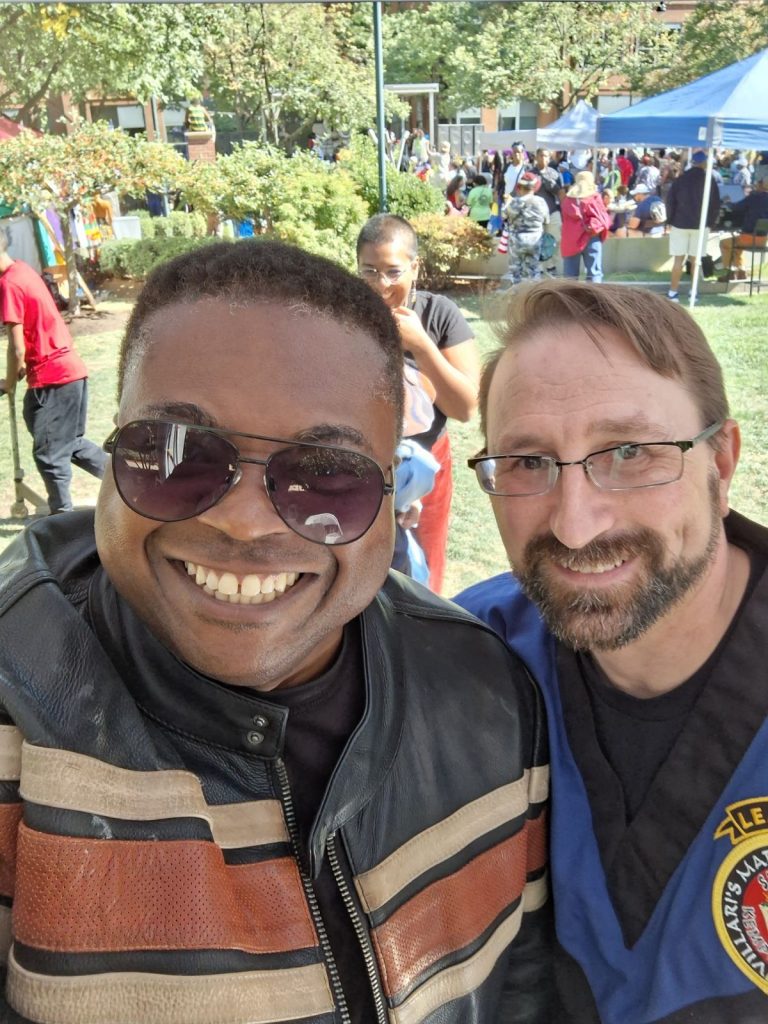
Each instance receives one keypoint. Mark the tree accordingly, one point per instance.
(66, 171)
(717, 33)
(112, 49)
(550, 53)
(278, 68)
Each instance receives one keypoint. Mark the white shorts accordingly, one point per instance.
(684, 241)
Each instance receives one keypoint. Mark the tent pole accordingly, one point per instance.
(381, 131)
(703, 218)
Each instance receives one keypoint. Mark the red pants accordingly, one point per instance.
(432, 531)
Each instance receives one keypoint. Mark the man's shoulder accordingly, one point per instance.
(501, 603)
(59, 550)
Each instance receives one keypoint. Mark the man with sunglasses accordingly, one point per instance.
(639, 602)
(259, 778)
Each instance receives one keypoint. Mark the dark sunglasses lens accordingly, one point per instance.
(328, 495)
(171, 471)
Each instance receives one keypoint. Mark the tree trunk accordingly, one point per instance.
(69, 257)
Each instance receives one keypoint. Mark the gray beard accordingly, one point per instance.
(612, 618)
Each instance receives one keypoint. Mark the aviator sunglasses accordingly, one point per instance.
(172, 471)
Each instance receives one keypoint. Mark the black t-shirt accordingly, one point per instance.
(636, 734)
(442, 320)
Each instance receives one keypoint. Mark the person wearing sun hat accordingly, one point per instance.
(585, 227)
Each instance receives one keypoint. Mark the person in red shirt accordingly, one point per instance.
(55, 405)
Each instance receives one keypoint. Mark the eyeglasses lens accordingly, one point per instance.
(516, 476)
(170, 471)
(328, 495)
(636, 465)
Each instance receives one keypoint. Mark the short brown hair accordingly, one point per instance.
(666, 337)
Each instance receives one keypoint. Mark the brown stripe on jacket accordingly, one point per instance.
(96, 895)
(454, 911)
(10, 816)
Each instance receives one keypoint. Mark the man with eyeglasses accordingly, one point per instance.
(639, 602)
(248, 775)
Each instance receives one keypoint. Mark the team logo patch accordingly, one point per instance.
(740, 892)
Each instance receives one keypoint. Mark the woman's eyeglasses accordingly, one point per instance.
(172, 471)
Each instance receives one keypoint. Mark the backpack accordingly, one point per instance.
(658, 212)
(548, 246)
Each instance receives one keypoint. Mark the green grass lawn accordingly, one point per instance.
(735, 325)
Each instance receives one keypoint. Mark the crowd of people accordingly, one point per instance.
(576, 200)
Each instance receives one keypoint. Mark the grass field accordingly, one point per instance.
(735, 325)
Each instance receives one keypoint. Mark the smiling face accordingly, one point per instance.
(603, 566)
(257, 369)
(393, 257)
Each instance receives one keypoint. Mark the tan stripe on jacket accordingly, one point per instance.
(448, 837)
(253, 997)
(76, 782)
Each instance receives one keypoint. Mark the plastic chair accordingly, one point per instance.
(761, 228)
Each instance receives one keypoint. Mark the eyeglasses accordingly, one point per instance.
(392, 276)
(172, 471)
(624, 467)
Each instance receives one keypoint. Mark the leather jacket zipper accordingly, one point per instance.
(361, 930)
(309, 892)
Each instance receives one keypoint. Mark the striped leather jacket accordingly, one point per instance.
(148, 868)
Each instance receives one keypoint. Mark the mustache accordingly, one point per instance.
(616, 548)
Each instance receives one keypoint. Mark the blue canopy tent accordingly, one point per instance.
(576, 129)
(726, 108)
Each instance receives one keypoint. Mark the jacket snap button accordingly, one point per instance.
(260, 721)
(255, 738)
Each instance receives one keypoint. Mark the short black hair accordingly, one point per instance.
(253, 270)
(387, 227)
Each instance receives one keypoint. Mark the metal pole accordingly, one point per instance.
(380, 127)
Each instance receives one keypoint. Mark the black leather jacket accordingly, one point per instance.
(149, 851)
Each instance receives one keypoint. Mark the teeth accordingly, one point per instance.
(228, 584)
(594, 570)
(250, 589)
(251, 586)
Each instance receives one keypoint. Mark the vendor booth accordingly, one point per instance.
(721, 109)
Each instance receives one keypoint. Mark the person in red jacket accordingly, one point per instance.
(585, 226)
(55, 405)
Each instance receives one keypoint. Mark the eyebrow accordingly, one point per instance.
(320, 433)
(635, 428)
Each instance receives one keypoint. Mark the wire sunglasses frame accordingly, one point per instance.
(111, 445)
(555, 466)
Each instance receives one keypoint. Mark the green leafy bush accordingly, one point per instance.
(177, 224)
(444, 242)
(298, 199)
(407, 195)
(113, 256)
(136, 258)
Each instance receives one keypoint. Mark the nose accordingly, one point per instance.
(245, 512)
(580, 511)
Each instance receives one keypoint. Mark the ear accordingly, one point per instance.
(726, 459)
